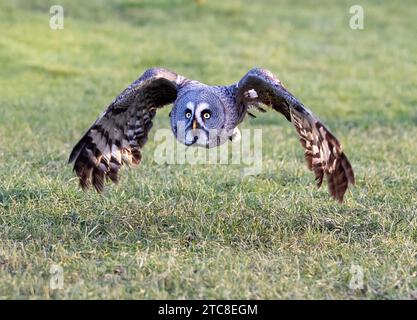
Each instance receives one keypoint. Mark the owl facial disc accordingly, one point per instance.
(198, 119)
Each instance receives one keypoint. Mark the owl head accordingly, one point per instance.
(198, 118)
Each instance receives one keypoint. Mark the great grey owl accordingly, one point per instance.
(209, 115)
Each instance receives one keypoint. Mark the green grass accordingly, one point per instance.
(184, 231)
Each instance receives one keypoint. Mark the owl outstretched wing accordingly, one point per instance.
(323, 152)
(118, 135)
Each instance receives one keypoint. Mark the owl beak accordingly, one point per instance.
(194, 124)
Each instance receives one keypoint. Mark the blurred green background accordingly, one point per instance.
(201, 231)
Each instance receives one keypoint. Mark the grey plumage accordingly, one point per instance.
(119, 134)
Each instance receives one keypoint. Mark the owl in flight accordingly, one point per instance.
(205, 116)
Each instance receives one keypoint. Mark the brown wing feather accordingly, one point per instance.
(323, 152)
(118, 135)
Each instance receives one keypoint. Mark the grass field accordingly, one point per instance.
(194, 231)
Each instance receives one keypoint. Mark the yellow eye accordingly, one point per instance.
(188, 115)
(206, 115)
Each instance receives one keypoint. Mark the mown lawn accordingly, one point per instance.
(195, 231)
